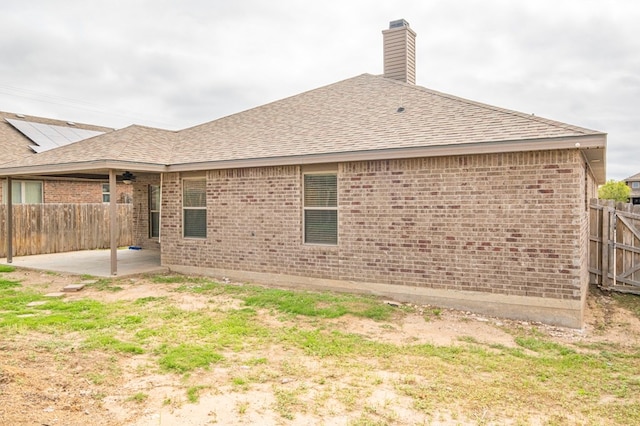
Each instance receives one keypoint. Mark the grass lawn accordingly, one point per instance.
(289, 357)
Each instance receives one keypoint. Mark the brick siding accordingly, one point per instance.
(511, 223)
(141, 210)
(69, 191)
(62, 191)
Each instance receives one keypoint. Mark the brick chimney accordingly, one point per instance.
(399, 44)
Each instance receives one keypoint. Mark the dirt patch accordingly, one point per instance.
(35, 389)
(449, 328)
(49, 381)
(608, 323)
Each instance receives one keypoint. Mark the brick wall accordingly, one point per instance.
(57, 191)
(141, 210)
(590, 189)
(254, 223)
(171, 242)
(503, 223)
(63, 191)
(510, 223)
(70, 191)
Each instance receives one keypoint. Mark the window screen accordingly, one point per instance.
(194, 203)
(321, 208)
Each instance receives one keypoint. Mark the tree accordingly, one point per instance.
(614, 190)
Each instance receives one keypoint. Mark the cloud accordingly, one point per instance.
(176, 64)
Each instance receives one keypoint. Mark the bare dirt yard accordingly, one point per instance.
(176, 352)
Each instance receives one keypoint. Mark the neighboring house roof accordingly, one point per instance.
(365, 117)
(635, 177)
(49, 136)
(22, 135)
(133, 144)
(635, 192)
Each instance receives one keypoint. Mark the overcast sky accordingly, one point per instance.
(177, 63)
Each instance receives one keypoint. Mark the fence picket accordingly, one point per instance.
(54, 228)
(615, 246)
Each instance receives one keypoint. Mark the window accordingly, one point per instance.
(635, 185)
(106, 196)
(25, 191)
(154, 211)
(321, 208)
(194, 208)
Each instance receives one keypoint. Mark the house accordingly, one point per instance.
(372, 184)
(22, 136)
(633, 182)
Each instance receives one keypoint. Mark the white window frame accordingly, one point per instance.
(635, 185)
(185, 208)
(153, 211)
(22, 190)
(106, 193)
(306, 208)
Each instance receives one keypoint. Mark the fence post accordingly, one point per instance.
(595, 242)
(9, 221)
(606, 223)
(113, 223)
(614, 230)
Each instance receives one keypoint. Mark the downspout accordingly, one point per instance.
(9, 220)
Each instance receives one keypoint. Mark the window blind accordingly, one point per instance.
(194, 201)
(195, 194)
(320, 190)
(321, 208)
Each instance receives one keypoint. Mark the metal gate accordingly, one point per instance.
(614, 246)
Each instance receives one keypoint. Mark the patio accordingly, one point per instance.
(93, 262)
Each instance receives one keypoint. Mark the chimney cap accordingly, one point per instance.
(398, 23)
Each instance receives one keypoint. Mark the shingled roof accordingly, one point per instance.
(364, 117)
(635, 177)
(133, 144)
(16, 145)
(364, 113)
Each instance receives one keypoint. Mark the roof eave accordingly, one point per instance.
(594, 144)
(593, 147)
(82, 166)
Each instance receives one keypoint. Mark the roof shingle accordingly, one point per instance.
(15, 145)
(363, 113)
(357, 114)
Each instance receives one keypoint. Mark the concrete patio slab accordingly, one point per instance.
(96, 263)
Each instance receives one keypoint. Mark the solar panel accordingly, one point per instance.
(49, 136)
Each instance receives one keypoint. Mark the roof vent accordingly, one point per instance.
(20, 115)
(71, 123)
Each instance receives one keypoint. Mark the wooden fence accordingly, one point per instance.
(614, 246)
(55, 228)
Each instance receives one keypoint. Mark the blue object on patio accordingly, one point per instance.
(135, 248)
